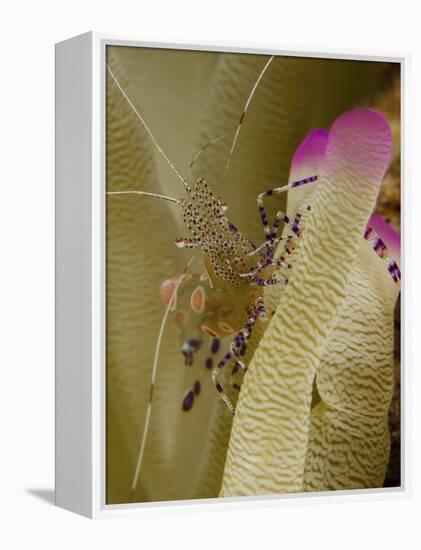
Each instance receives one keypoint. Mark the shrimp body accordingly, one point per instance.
(227, 296)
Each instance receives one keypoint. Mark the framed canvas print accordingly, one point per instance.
(228, 274)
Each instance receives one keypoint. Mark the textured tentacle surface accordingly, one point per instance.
(270, 436)
(349, 435)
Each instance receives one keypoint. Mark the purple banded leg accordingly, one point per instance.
(281, 262)
(267, 262)
(288, 240)
(267, 258)
(238, 365)
(382, 252)
(218, 386)
(269, 282)
(375, 241)
(238, 347)
(293, 225)
(266, 244)
(282, 217)
(297, 218)
(277, 190)
(287, 248)
(394, 270)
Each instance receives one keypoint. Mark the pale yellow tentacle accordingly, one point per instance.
(349, 433)
(270, 435)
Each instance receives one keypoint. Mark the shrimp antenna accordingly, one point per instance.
(197, 155)
(142, 120)
(151, 388)
(154, 195)
(250, 97)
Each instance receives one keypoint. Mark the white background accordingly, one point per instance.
(28, 33)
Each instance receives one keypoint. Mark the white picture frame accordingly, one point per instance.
(80, 277)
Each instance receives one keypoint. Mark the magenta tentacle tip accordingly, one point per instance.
(311, 149)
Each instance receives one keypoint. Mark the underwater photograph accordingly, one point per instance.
(253, 274)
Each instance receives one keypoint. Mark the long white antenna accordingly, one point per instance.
(155, 195)
(245, 110)
(197, 155)
(151, 390)
(142, 120)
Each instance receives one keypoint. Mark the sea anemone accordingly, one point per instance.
(288, 415)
